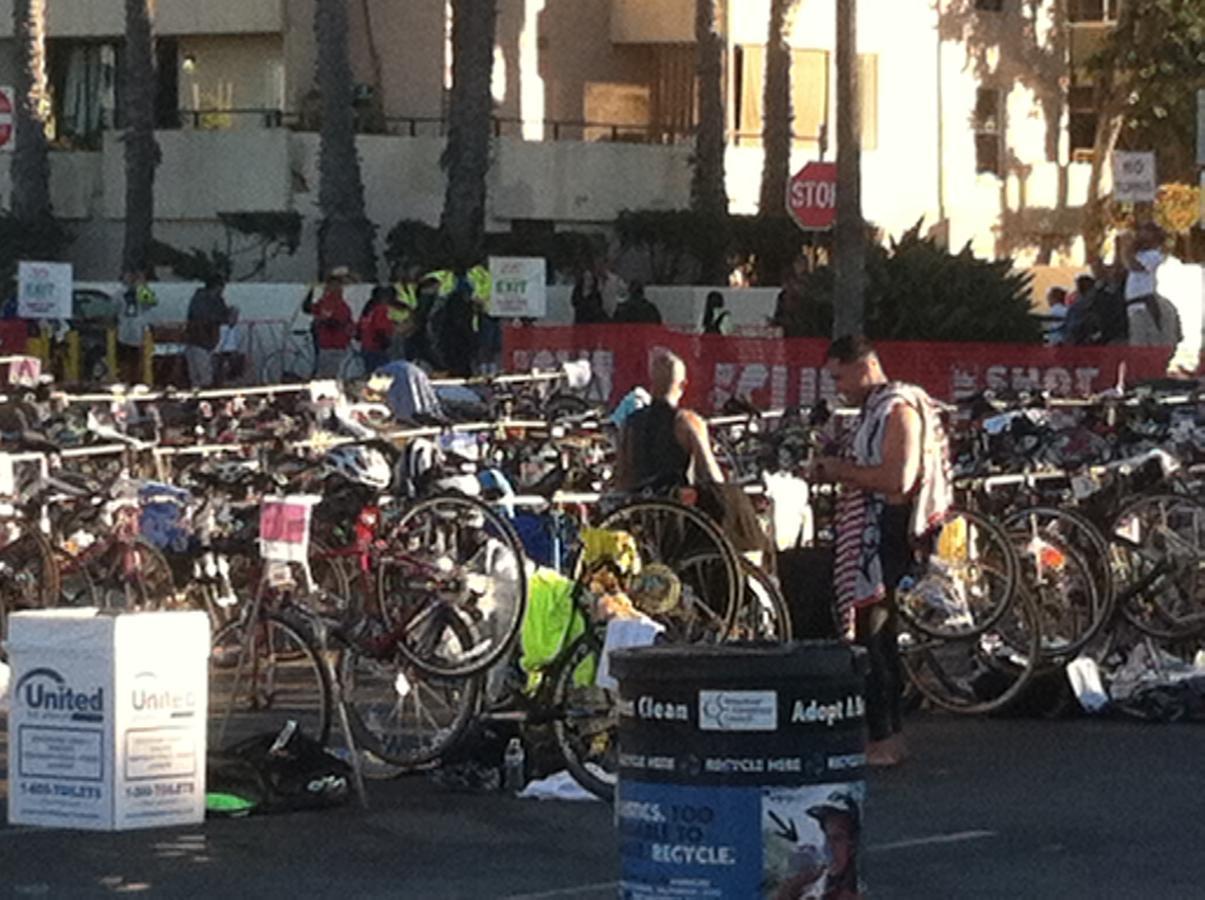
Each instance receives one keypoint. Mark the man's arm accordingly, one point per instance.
(691, 433)
(900, 468)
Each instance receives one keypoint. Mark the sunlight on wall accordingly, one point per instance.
(531, 85)
(498, 77)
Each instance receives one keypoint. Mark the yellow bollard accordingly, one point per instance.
(111, 354)
(71, 365)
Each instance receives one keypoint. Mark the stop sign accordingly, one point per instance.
(812, 196)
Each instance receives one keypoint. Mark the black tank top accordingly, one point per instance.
(659, 461)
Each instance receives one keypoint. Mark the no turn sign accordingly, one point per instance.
(812, 196)
(8, 100)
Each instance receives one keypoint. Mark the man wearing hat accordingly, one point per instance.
(840, 820)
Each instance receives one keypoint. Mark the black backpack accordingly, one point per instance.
(280, 772)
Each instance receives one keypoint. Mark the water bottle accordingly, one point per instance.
(513, 765)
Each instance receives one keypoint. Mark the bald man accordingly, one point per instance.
(662, 446)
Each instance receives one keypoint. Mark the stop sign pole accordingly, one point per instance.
(812, 196)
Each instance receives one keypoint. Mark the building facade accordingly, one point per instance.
(975, 121)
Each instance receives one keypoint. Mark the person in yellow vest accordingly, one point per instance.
(489, 333)
(135, 303)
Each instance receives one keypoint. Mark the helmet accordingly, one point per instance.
(360, 465)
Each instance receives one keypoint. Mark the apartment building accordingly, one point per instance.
(976, 115)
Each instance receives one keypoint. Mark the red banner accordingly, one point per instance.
(774, 373)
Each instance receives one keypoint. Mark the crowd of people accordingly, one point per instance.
(438, 319)
(1117, 303)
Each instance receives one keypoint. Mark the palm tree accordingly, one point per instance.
(31, 159)
(778, 114)
(466, 159)
(141, 150)
(849, 232)
(345, 236)
(708, 192)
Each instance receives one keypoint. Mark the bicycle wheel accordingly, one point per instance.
(586, 723)
(969, 580)
(692, 546)
(400, 715)
(764, 614)
(1066, 573)
(982, 673)
(451, 586)
(1156, 545)
(134, 576)
(29, 574)
(261, 675)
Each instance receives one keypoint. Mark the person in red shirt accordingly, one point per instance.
(332, 325)
(375, 329)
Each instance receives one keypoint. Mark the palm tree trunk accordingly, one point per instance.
(709, 194)
(466, 158)
(849, 237)
(141, 150)
(345, 236)
(31, 158)
(777, 115)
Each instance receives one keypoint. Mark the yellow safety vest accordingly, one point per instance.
(146, 297)
(482, 283)
(445, 278)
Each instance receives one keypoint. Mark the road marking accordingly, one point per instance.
(565, 892)
(955, 838)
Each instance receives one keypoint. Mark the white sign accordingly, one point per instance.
(44, 290)
(284, 527)
(519, 287)
(1134, 179)
(24, 371)
(8, 123)
(107, 721)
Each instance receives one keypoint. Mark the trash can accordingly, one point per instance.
(107, 718)
(741, 770)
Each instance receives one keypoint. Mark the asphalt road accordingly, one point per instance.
(985, 809)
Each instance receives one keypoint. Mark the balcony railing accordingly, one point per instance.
(420, 126)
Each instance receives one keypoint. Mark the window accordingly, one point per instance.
(83, 79)
(809, 92)
(868, 89)
(989, 132)
(1081, 120)
(1092, 10)
(989, 5)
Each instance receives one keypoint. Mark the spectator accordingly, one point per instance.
(452, 339)
(207, 312)
(375, 328)
(1147, 313)
(588, 301)
(332, 325)
(1081, 326)
(637, 308)
(1055, 321)
(133, 320)
(715, 317)
(789, 312)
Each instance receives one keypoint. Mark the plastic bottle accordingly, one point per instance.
(513, 767)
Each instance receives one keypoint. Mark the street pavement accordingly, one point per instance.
(999, 808)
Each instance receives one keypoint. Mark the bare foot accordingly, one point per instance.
(886, 753)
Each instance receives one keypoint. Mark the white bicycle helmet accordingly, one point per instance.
(360, 465)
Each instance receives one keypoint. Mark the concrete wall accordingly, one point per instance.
(104, 18)
(207, 172)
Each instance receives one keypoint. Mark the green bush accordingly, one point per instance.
(918, 291)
